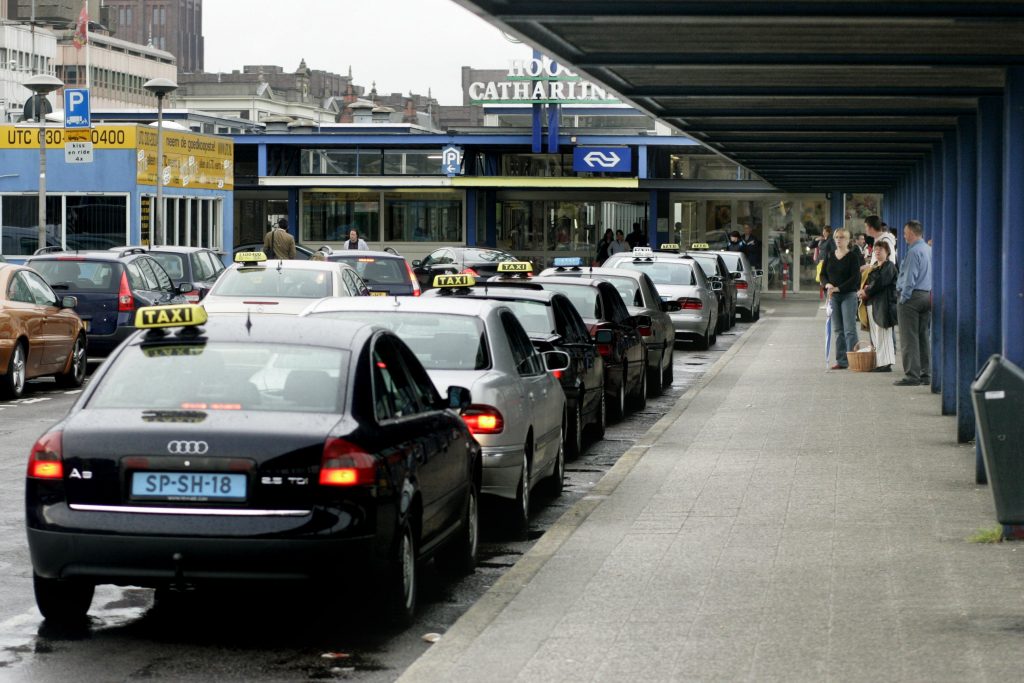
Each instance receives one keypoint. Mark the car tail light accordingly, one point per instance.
(483, 419)
(557, 374)
(346, 464)
(416, 291)
(470, 271)
(645, 330)
(125, 300)
(46, 460)
(741, 284)
(690, 304)
(192, 297)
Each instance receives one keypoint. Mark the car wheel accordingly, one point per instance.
(640, 397)
(602, 418)
(401, 584)
(574, 447)
(519, 519)
(712, 338)
(75, 375)
(757, 312)
(619, 406)
(12, 385)
(460, 557)
(654, 377)
(557, 481)
(670, 372)
(745, 316)
(732, 317)
(704, 341)
(62, 602)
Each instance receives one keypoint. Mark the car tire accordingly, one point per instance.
(460, 557)
(63, 602)
(619, 406)
(639, 401)
(670, 372)
(574, 447)
(12, 384)
(745, 316)
(75, 376)
(519, 515)
(602, 418)
(704, 341)
(654, 377)
(757, 312)
(556, 482)
(401, 581)
(712, 339)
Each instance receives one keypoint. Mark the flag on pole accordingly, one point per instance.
(81, 36)
(828, 329)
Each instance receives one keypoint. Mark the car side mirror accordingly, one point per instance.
(185, 288)
(69, 302)
(459, 398)
(417, 263)
(736, 275)
(671, 306)
(642, 320)
(758, 272)
(604, 337)
(716, 286)
(556, 360)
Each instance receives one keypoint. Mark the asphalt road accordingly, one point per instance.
(269, 635)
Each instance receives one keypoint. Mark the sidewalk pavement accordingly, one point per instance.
(782, 522)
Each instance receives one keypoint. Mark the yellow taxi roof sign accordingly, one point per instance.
(670, 246)
(700, 245)
(458, 280)
(173, 315)
(515, 267)
(250, 257)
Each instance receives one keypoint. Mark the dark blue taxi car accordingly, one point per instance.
(234, 449)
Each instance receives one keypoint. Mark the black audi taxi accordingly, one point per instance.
(251, 448)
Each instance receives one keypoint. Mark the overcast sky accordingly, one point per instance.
(403, 45)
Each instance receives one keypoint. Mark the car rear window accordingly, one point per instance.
(660, 272)
(273, 281)
(172, 263)
(733, 261)
(377, 271)
(78, 275)
(440, 342)
(536, 317)
(584, 299)
(708, 265)
(225, 376)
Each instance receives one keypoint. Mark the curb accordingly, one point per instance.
(435, 664)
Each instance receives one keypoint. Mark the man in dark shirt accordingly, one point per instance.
(636, 238)
(751, 245)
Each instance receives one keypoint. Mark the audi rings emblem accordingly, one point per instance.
(187, 447)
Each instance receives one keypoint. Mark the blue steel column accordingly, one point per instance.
(471, 218)
(947, 274)
(293, 213)
(966, 268)
(491, 221)
(837, 210)
(1013, 206)
(934, 231)
(988, 278)
(652, 219)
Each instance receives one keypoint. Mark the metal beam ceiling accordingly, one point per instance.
(829, 94)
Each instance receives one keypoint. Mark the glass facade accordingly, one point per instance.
(360, 162)
(422, 217)
(328, 216)
(72, 221)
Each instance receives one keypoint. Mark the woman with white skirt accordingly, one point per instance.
(879, 293)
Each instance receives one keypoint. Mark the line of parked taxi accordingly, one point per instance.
(322, 421)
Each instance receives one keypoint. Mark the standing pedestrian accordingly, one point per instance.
(876, 230)
(636, 238)
(751, 246)
(879, 293)
(278, 244)
(841, 277)
(734, 242)
(618, 245)
(602, 247)
(355, 241)
(914, 311)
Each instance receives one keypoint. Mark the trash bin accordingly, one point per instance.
(998, 397)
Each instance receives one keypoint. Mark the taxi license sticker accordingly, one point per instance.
(171, 351)
(642, 251)
(183, 315)
(670, 246)
(378, 293)
(460, 280)
(515, 267)
(700, 245)
(250, 257)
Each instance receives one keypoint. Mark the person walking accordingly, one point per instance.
(278, 244)
(879, 293)
(618, 245)
(355, 241)
(751, 246)
(914, 311)
(841, 277)
(602, 247)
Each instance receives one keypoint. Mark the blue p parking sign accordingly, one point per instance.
(76, 108)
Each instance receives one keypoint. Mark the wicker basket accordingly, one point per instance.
(861, 361)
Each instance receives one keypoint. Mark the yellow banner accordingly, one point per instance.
(190, 159)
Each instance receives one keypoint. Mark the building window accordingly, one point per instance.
(422, 217)
(73, 221)
(19, 223)
(329, 216)
(412, 162)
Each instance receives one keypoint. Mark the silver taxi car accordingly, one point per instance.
(748, 284)
(518, 413)
(680, 279)
(254, 284)
(641, 297)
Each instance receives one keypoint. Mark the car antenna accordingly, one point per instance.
(248, 321)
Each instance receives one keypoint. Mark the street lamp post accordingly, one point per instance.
(42, 85)
(159, 87)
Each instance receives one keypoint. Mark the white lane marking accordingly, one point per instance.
(73, 392)
(27, 401)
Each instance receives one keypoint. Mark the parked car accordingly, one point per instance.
(40, 334)
(748, 284)
(383, 272)
(197, 266)
(716, 270)
(479, 262)
(110, 287)
(311, 451)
